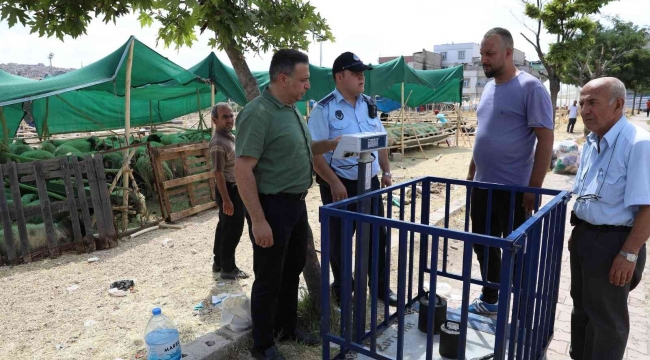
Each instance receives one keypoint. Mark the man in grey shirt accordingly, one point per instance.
(515, 112)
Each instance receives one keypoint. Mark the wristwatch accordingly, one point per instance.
(387, 174)
(629, 256)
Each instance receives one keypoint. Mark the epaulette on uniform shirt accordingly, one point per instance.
(326, 100)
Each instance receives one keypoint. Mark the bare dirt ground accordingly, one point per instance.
(60, 308)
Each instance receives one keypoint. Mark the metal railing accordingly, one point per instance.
(529, 278)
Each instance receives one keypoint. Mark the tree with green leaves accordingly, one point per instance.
(236, 26)
(607, 51)
(569, 21)
(635, 73)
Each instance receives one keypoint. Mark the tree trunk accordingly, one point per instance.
(554, 86)
(311, 272)
(243, 72)
(640, 101)
(634, 102)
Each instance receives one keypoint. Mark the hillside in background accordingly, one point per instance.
(32, 71)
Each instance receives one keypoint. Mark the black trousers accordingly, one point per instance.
(335, 235)
(229, 230)
(274, 297)
(600, 322)
(498, 227)
(572, 123)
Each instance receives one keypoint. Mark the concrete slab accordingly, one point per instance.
(214, 346)
(478, 343)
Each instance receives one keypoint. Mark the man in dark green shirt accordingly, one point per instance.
(274, 171)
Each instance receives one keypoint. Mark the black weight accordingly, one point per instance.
(449, 339)
(440, 315)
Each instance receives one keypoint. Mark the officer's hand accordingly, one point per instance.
(386, 181)
(569, 245)
(334, 143)
(263, 234)
(621, 272)
(228, 208)
(338, 191)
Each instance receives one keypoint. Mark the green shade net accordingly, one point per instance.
(13, 114)
(92, 98)
(427, 86)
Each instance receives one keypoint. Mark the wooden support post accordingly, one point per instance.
(127, 133)
(402, 121)
(45, 130)
(5, 129)
(458, 126)
(211, 107)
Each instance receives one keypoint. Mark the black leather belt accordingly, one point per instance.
(290, 196)
(576, 221)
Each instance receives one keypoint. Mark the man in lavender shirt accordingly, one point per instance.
(515, 112)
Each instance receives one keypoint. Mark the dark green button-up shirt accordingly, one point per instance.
(277, 136)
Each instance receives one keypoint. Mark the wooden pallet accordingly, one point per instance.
(198, 175)
(92, 198)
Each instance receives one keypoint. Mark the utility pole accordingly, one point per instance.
(50, 57)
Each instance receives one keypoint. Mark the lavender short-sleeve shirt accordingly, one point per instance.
(505, 139)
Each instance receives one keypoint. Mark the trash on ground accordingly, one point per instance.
(567, 153)
(72, 288)
(93, 259)
(90, 323)
(122, 285)
(116, 292)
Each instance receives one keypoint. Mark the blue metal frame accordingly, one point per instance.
(531, 264)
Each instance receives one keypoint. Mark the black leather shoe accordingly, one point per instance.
(392, 298)
(234, 275)
(301, 337)
(271, 353)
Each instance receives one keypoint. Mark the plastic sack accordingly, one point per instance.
(565, 147)
(568, 157)
(236, 312)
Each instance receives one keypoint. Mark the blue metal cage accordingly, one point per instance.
(529, 278)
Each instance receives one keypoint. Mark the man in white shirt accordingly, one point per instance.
(573, 116)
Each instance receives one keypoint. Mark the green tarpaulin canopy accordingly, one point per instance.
(92, 98)
(427, 86)
(13, 114)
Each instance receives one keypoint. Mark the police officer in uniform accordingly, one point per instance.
(348, 111)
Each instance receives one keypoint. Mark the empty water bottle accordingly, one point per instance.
(161, 337)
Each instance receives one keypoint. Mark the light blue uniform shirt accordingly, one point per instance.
(334, 116)
(623, 183)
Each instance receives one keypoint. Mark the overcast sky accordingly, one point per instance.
(369, 28)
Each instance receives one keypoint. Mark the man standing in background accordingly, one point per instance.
(515, 112)
(231, 207)
(573, 116)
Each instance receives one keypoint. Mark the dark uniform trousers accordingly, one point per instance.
(335, 234)
(274, 297)
(600, 322)
(498, 227)
(229, 230)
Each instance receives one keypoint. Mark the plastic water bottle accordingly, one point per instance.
(161, 337)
